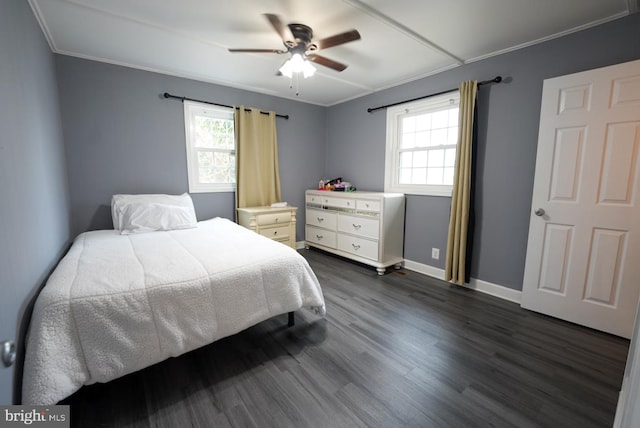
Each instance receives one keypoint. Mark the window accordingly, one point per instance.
(422, 137)
(211, 148)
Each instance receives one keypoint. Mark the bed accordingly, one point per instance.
(118, 302)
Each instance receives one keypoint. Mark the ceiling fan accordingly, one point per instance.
(298, 40)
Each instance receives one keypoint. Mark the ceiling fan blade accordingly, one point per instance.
(322, 60)
(283, 30)
(276, 51)
(338, 39)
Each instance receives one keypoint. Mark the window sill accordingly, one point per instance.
(444, 191)
(207, 189)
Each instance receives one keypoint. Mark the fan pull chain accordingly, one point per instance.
(295, 76)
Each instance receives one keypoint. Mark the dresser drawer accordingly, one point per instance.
(274, 218)
(358, 246)
(280, 232)
(326, 199)
(320, 236)
(313, 199)
(359, 226)
(339, 202)
(367, 205)
(321, 219)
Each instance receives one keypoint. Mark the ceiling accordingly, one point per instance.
(403, 40)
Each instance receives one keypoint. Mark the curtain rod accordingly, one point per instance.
(183, 99)
(496, 79)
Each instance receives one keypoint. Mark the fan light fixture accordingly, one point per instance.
(297, 64)
(298, 41)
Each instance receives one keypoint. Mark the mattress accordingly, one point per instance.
(118, 303)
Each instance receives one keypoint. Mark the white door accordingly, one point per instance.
(583, 254)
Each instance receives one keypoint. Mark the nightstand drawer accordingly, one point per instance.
(275, 223)
(281, 232)
(321, 219)
(273, 218)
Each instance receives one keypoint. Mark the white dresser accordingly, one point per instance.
(278, 224)
(364, 226)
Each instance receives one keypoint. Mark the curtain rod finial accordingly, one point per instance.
(498, 79)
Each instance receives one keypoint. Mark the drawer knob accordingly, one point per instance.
(276, 219)
(356, 226)
(319, 237)
(355, 247)
(275, 232)
(320, 219)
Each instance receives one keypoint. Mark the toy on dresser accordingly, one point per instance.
(337, 185)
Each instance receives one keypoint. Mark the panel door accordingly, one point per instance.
(583, 254)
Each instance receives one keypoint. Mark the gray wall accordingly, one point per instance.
(122, 137)
(507, 129)
(34, 212)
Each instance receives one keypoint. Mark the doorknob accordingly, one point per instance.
(539, 212)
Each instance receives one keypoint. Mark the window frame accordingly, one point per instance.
(393, 139)
(190, 110)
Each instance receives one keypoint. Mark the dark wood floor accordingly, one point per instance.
(393, 351)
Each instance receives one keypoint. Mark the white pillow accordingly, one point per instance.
(148, 213)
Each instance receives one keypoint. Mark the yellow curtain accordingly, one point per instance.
(455, 268)
(257, 174)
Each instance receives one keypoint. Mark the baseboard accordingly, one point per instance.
(474, 284)
(424, 269)
(300, 245)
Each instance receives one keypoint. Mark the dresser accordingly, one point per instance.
(278, 224)
(364, 226)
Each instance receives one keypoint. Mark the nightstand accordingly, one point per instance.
(278, 224)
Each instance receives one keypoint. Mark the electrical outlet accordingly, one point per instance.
(435, 253)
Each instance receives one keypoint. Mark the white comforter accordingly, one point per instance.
(119, 303)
